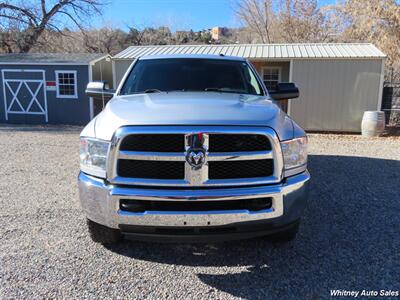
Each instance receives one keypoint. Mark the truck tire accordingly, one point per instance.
(102, 234)
(286, 235)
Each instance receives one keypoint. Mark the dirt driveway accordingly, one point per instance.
(349, 237)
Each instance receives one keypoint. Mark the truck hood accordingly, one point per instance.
(190, 108)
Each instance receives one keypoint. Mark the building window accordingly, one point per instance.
(271, 77)
(66, 84)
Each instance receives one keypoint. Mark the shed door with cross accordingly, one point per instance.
(24, 93)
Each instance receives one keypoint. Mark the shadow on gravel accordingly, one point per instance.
(349, 239)
(41, 128)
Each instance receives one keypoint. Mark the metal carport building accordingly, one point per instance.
(337, 82)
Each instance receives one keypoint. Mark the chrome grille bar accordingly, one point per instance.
(168, 156)
(239, 155)
(178, 156)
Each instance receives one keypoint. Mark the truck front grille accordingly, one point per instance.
(240, 169)
(238, 142)
(140, 206)
(154, 143)
(151, 169)
(175, 143)
(161, 156)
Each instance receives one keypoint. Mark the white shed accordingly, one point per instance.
(337, 82)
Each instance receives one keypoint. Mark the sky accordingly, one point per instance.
(177, 14)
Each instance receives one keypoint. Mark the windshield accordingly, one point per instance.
(212, 75)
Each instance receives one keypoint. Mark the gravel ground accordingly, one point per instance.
(349, 237)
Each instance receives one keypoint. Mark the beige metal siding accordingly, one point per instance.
(102, 70)
(120, 67)
(335, 93)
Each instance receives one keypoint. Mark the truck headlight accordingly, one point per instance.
(93, 156)
(294, 155)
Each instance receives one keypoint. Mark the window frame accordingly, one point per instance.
(279, 68)
(75, 95)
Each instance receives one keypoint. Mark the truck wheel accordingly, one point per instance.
(102, 234)
(286, 235)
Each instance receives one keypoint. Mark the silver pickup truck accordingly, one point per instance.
(192, 148)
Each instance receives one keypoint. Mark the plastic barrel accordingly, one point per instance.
(373, 123)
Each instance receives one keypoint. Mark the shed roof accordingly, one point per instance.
(50, 58)
(260, 51)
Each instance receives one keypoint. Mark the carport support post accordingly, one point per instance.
(382, 79)
(90, 75)
(290, 80)
(113, 75)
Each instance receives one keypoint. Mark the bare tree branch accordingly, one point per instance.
(11, 7)
(72, 19)
(32, 18)
(257, 15)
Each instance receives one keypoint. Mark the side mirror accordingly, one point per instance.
(285, 90)
(99, 89)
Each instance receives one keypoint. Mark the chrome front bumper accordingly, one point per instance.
(100, 201)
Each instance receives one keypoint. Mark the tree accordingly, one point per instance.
(302, 21)
(104, 40)
(24, 23)
(54, 42)
(258, 16)
(134, 36)
(375, 21)
(294, 21)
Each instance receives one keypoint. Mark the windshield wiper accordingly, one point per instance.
(223, 90)
(213, 90)
(181, 90)
(152, 91)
